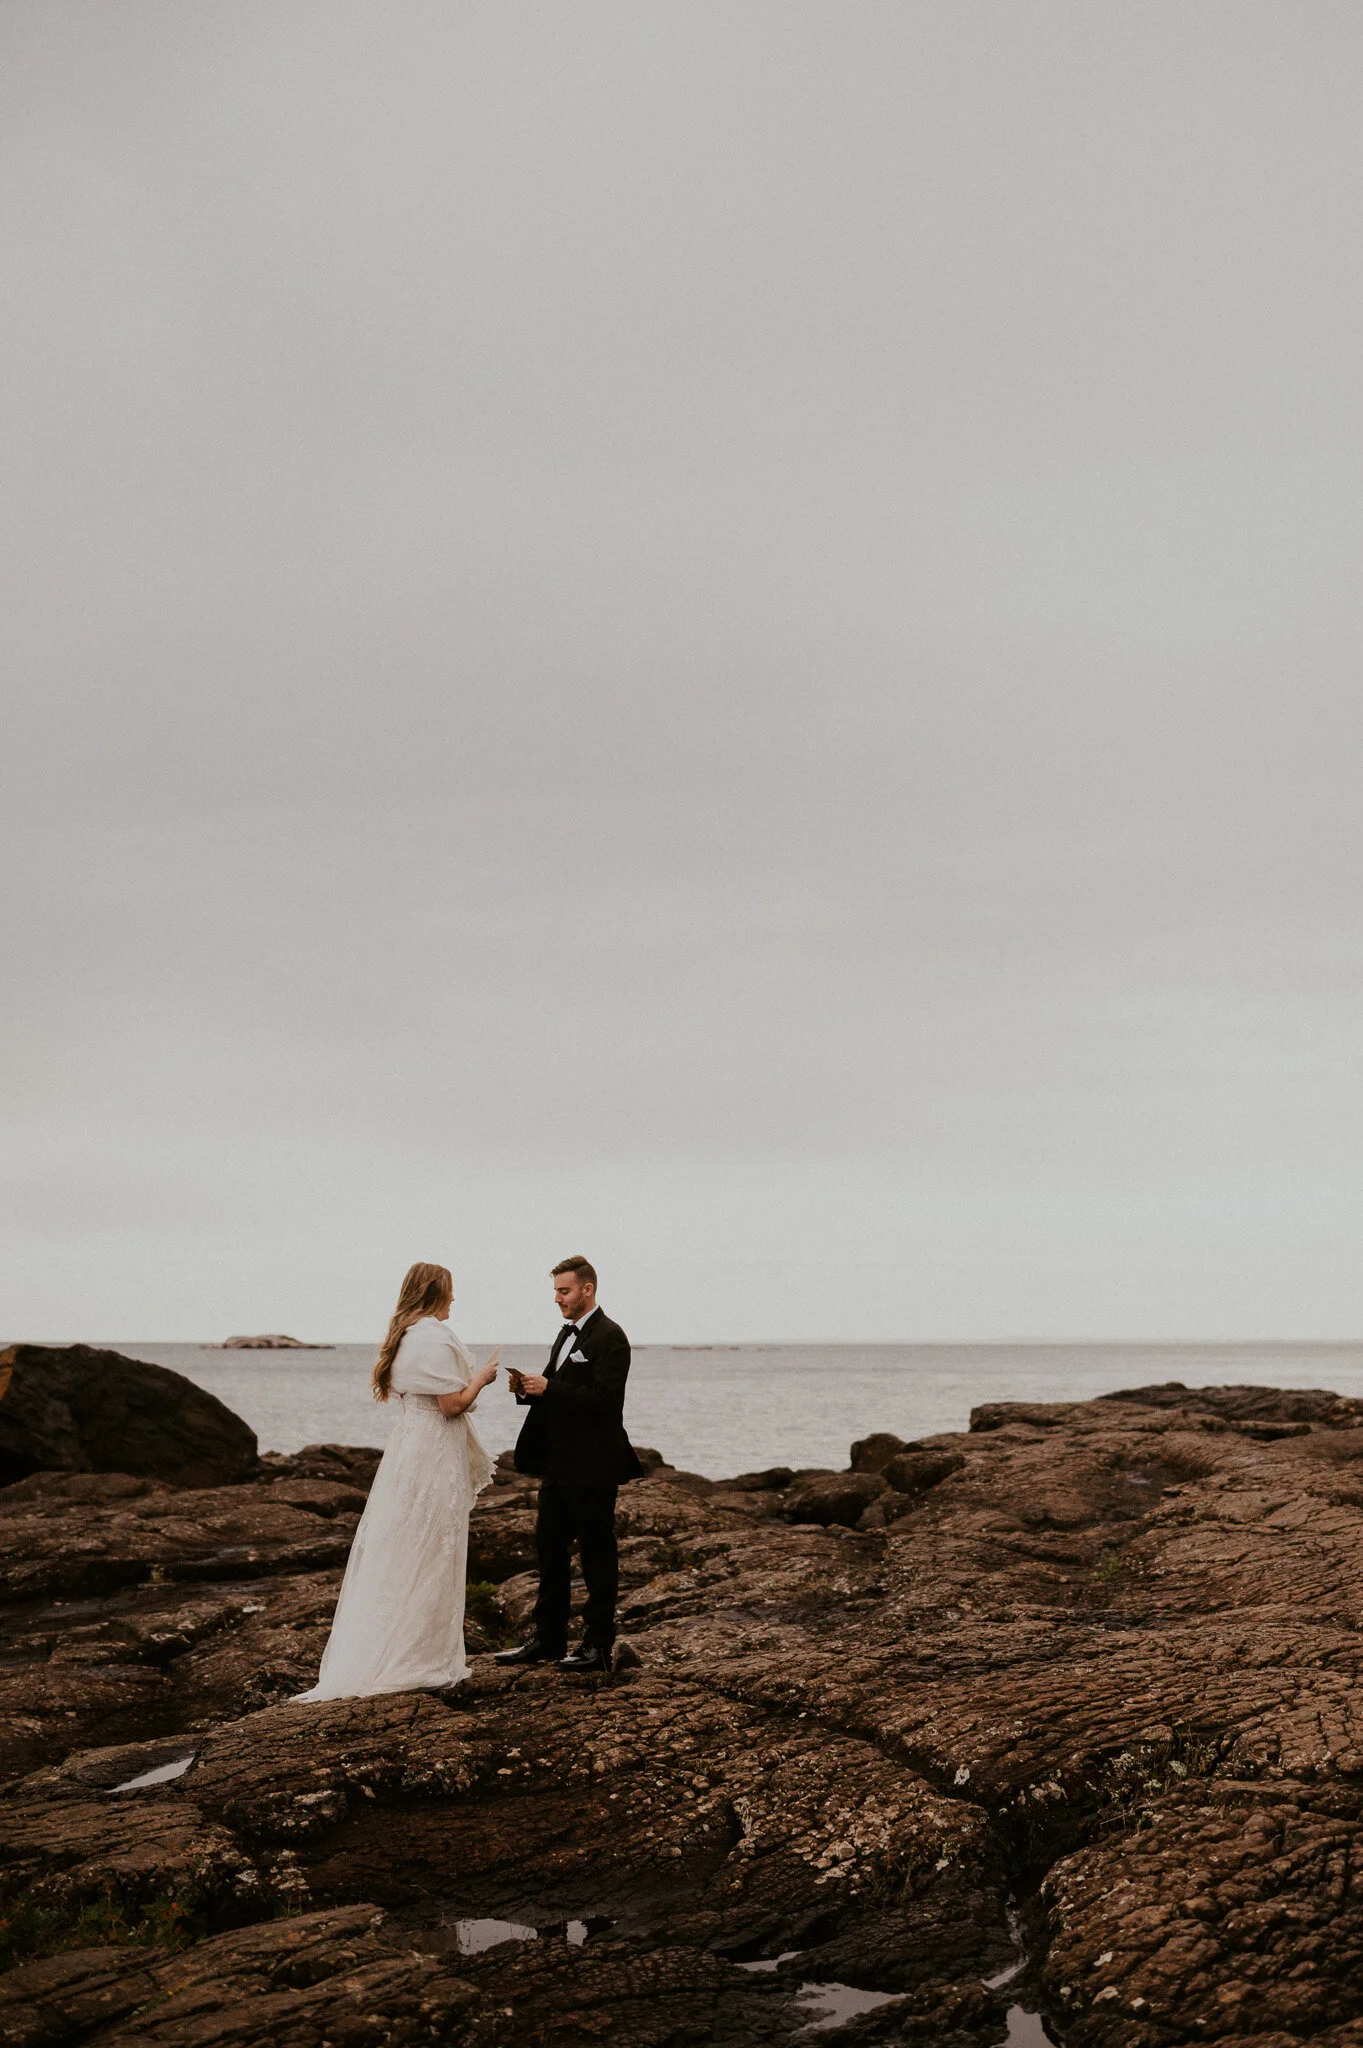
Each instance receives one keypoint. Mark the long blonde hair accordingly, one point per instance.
(425, 1291)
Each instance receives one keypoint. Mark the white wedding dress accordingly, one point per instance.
(399, 1622)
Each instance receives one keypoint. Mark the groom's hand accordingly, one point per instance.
(533, 1382)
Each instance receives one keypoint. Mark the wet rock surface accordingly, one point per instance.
(1069, 1704)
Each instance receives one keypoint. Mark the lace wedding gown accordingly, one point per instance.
(399, 1622)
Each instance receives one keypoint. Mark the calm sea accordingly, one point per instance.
(721, 1409)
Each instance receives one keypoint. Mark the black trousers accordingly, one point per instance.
(584, 1515)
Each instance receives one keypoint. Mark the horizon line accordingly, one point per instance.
(802, 1343)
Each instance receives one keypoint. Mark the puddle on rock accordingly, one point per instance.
(160, 1776)
(828, 2005)
(1019, 1963)
(1025, 2030)
(838, 2003)
(476, 1935)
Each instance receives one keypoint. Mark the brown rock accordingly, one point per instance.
(773, 1480)
(1209, 1921)
(72, 1408)
(502, 1533)
(833, 1497)
(346, 1464)
(55, 1548)
(919, 1467)
(306, 1981)
(69, 1996)
(873, 1453)
(1114, 1645)
(63, 1848)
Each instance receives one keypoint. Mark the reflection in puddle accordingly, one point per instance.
(1019, 1962)
(828, 2005)
(1025, 2030)
(160, 1776)
(476, 1935)
(836, 2003)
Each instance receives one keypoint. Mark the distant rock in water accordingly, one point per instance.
(70, 1408)
(274, 1343)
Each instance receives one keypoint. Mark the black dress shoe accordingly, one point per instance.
(533, 1652)
(589, 1657)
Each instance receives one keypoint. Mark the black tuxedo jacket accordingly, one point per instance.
(575, 1431)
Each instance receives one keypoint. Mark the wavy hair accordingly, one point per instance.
(425, 1290)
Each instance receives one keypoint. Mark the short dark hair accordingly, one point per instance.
(577, 1264)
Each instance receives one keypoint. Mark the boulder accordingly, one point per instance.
(833, 1497)
(889, 1507)
(348, 1464)
(992, 1415)
(919, 1467)
(873, 1453)
(1248, 1405)
(772, 1480)
(71, 1408)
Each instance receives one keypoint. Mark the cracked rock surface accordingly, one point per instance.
(1073, 1695)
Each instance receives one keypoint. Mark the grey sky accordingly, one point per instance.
(725, 635)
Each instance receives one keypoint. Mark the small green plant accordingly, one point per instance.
(483, 1605)
(165, 1922)
(1114, 1572)
(1133, 1786)
(30, 1928)
(27, 1930)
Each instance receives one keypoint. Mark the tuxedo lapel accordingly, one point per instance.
(589, 1335)
(558, 1351)
(584, 1341)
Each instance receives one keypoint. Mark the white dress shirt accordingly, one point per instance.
(563, 1349)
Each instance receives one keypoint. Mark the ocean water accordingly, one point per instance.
(721, 1409)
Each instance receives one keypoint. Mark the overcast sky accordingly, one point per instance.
(727, 636)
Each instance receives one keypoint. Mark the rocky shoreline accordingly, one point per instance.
(1054, 1717)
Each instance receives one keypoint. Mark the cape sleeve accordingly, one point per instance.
(438, 1364)
(480, 1464)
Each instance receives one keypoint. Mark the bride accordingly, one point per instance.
(399, 1622)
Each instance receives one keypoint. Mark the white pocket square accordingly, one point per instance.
(576, 1358)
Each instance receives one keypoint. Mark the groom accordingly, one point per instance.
(573, 1440)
